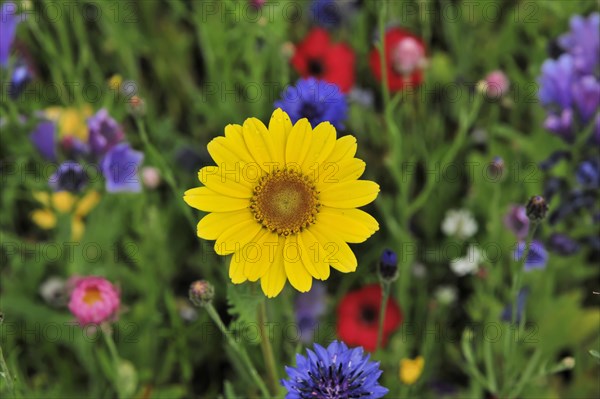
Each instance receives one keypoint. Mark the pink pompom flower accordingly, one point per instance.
(94, 300)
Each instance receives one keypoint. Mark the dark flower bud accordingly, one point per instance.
(201, 293)
(388, 265)
(496, 169)
(563, 244)
(536, 208)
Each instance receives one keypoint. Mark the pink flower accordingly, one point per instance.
(496, 84)
(94, 300)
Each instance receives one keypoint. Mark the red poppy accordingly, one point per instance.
(317, 56)
(358, 317)
(404, 58)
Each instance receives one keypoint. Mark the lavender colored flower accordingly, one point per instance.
(70, 176)
(120, 167)
(556, 81)
(105, 132)
(44, 139)
(9, 19)
(536, 258)
(316, 100)
(562, 244)
(516, 220)
(583, 42)
(21, 76)
(586, 95)
(561, 123)
(309, 307)
(335, 372)
(588, 173)
(521, 299)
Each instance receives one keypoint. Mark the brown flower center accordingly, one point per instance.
(285, 202)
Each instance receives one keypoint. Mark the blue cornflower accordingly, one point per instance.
(21, 76)
(556, 81)
(44, 139)
(105, 132)
(309, 307)
(9, 19)
(388, 265)
(70, 176)
(326, 13)
(586, 96)
(536, 258)
(316, 100)
(335, 372)
(120, 167)
(588, 173)
(583, 42)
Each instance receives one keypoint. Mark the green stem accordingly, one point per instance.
(239, 350)
(385, 294)
(6, 373)
(267, 349)
(112, 349)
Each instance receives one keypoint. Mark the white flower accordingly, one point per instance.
(469, 264)
(459, 223)
(445, 294)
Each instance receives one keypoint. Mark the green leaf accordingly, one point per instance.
(243, 303)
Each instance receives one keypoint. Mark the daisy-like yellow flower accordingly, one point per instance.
(282, 201)
(70, 121)
(411, 369)
(64, 202)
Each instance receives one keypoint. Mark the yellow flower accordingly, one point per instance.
(282, 200)
(115, 81)
(64, 202)
(71, 121)
(411, 369)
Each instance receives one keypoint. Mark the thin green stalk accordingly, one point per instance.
(6, 373)
(239, 350)
(385, 294)
(267, 349)
(112, 349)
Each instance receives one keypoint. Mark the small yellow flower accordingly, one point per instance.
(411, 369)
(63, 202)
(115, 82)
(282, 200)
(71, 121)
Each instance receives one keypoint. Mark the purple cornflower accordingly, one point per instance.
(588, 173)
(335, 372)
(562, 244)
(44, 139)
(120, 168)
(536, 258)
(105, 132)
(9, 19)
(316, 100)
(70, 176)
(586, 96)
(583, 42)
(21, 76)
(556, 81)
(309, 307)
(516, 220)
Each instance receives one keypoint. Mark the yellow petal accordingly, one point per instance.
(206, 200)
(259, 254)
(236, 270)
(226, 181)
(257, 140)
(410, 370)
(337, 172)
(298, 144)
(274, 279)
(313, 255)
(211, 226)
(44, 218)
(87, 203)
(338, 253)
(227, 151)
(322, 144)
(345, 147)
(235, 141)
(236, 236)
(352, 225)
(349, 194)
(63, 201)
(295, 271)
(280, 127)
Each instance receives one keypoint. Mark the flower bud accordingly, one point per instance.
(201, 293)
(496, 169)
(536, 208)
(388, 265)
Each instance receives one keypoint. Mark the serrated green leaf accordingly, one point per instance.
(243, 304)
